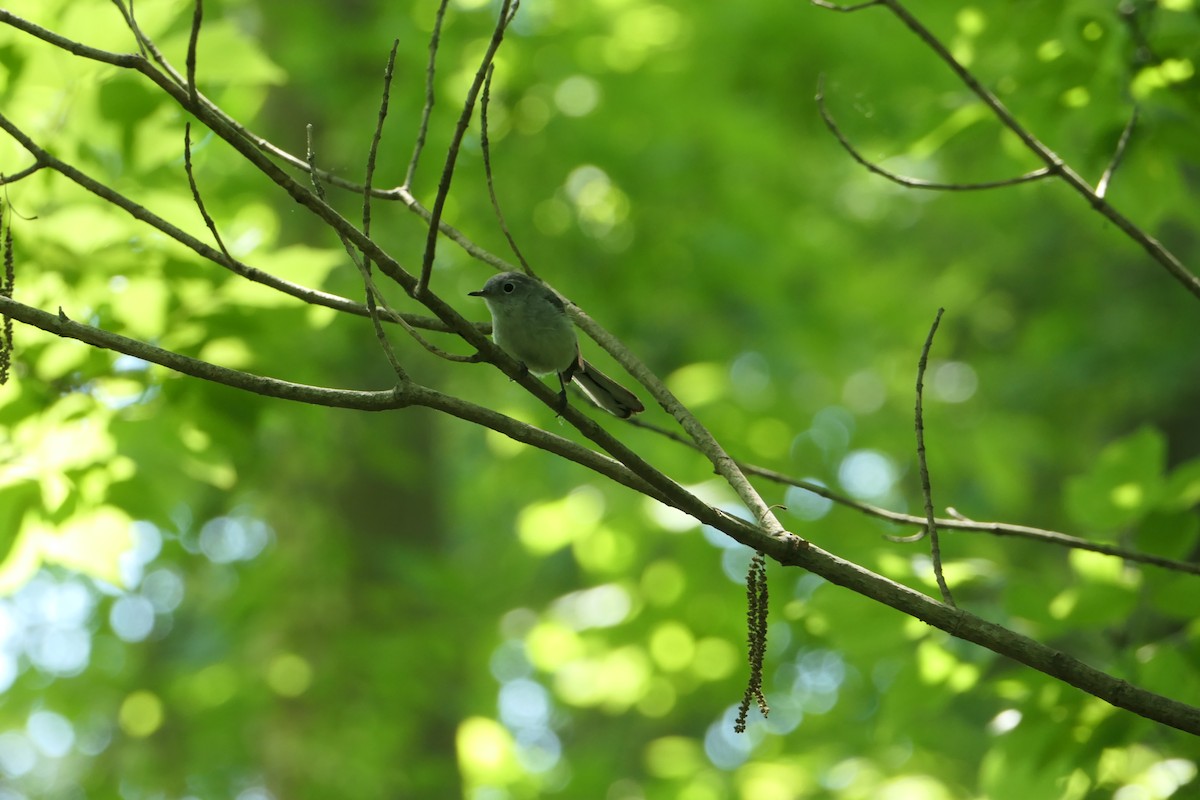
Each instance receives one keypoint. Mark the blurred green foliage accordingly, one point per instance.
(209, 594)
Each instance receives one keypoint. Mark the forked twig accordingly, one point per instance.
(139, 212)
(374, 297)
(376, 305)
(955, 522)
(507, 9)
(361, 262)
(1053, 162)
(146, 45)
(127, 14)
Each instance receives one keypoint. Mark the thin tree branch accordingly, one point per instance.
(402, 194)
(139, 212)
(374, 297)
(376, 138)
(423, 126)
(1122, 143)
(487, 170)
(706, 443)
(361, 261)
(146, 45)
(1053, 162)
(926, 491)
(127, 14)
(964, 625)
(208, 220)
(127, 60)
(460, 130)
(21, 174)
(955, 522)
(402, 396)
(193, 40)
(912, 183)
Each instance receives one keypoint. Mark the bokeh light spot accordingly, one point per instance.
(289, 675)
(141, 714)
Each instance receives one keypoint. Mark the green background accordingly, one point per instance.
(211, 594)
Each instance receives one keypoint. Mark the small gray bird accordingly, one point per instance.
(530, 323)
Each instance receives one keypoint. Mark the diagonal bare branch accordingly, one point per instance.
(1054, 164)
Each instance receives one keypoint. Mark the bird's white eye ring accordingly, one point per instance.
(508, 287)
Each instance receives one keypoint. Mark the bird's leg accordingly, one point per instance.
(563, 379)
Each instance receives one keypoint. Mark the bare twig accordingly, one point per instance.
(215, 114)
(146, 45)
(955, 522)
(485, 146)
(208, 220)
(460, 130)
(930, 522)
(376, 138)
(1118, 154)
(193, 40)
(360, 258)
(423, 127)
(847, 9)
(706, 443)
(21, 174)
(1053, 162)
(127, 60)
(139, 212)
(364, 266)
(128, 15)
(911, 183)
(401, 396)
(453, 234)
(411, 330)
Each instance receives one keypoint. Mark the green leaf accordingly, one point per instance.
(1125, 483)
(1170, 534)
(1183, 487)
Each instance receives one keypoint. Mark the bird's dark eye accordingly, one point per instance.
(508, 287)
